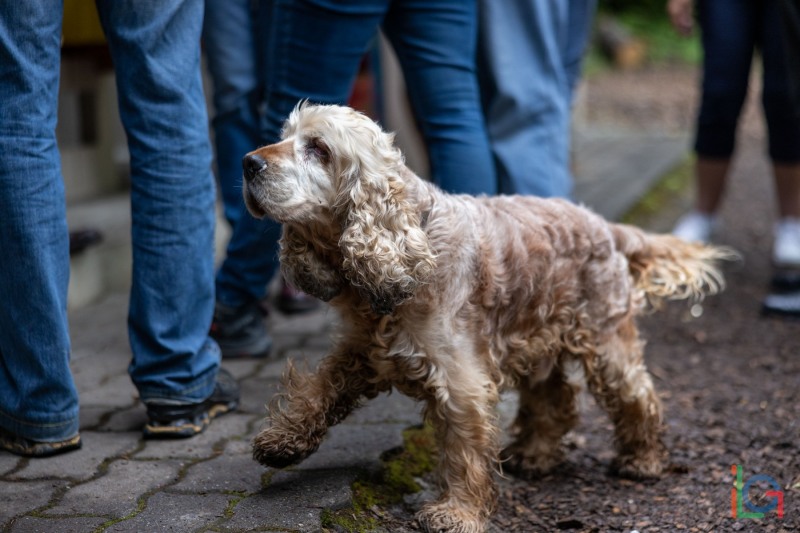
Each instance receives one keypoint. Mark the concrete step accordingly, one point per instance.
(615, 168)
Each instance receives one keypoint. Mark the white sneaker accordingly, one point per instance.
(695, 227)
(782, 304)
(786, 249)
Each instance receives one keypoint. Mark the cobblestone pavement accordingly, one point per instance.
(119, 482)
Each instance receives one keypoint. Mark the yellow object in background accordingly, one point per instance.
(81, 24)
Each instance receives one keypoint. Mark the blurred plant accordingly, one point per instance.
(647, 21)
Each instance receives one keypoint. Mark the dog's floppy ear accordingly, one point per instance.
(386, 253)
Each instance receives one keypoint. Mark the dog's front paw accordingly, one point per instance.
(278, 449)
(530, 467)
(444, 517)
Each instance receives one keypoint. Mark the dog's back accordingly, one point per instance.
(561, 239)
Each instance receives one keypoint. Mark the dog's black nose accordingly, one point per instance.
(252, 164)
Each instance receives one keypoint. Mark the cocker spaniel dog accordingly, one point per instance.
(451, 298)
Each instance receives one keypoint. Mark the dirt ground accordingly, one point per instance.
(729, 378)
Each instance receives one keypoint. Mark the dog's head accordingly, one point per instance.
(336, 168)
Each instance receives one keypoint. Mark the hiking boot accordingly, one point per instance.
(240, 331)
(32, 448)
(291, 300)
(181, 421)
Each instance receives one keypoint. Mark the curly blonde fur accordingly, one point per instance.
(449, 299)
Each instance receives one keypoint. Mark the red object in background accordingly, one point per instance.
(362, 96)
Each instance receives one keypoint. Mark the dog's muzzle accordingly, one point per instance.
(252, 164)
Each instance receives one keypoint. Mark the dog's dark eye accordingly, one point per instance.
(317, 148)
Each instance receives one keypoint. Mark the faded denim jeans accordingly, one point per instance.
(155, 47)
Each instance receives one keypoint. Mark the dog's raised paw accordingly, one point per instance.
(277, 451)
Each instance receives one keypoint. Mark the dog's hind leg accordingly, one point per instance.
(620, 383)
(311, 403)
(547, 411)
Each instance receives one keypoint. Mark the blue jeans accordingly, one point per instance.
(317, 45)
(157, 57)
(530, 54)
(731, 32)
(234, 37)
(314, 50)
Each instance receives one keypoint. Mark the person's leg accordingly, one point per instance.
(579, 27)
(783, 127)
(435, 44)
(235, 38)
(710, 186)
(728, 38)
(790, 18)
(784, 137)
(38, 399)
(525, 90)
(156, 51)
(314, 53)
(787, 188)
(232, 31)
(231, 49)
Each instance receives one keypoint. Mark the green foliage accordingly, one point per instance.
(663, 42)
(648, 21)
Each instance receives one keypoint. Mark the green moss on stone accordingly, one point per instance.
(389, 485)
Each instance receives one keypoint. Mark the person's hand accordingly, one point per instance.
(681, 14)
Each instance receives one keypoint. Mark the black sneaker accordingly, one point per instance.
(171, 421)
(786, 280)
(240, 331)
(33, 448)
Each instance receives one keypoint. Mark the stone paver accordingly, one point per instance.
(256, 393)
(81, 524)
(8, 462)
(19, 498)
(234, 470)
(84, 463)
(130, 419)
(117, 493)
(353, 446)
(116, 392)
(293, 500)
(176, 512)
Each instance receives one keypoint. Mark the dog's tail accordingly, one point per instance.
(666, 267)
